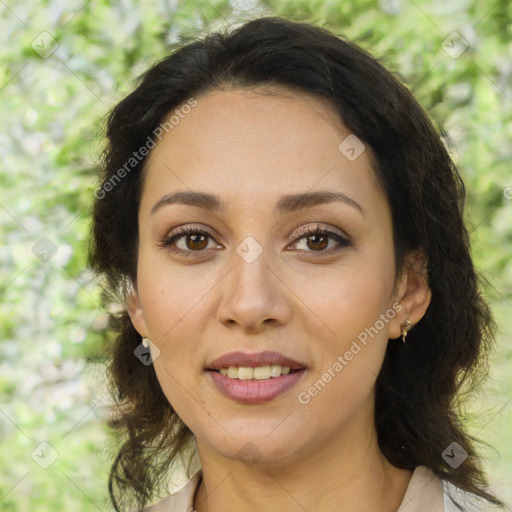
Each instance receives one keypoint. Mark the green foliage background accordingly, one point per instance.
(51, 323)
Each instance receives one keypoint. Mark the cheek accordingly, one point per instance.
(173, 298)
(348, 361)
(345, 299)
(350, 342)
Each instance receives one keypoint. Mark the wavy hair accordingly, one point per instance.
(421, 384)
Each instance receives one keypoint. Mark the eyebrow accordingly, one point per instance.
(286, 204)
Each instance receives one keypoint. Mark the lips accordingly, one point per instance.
(266, 358)
(254, 389)
(255, 392)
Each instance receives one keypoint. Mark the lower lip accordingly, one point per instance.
(254, 391)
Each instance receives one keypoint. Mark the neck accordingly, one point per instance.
(344, 473)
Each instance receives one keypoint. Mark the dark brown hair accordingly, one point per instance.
(421, 384)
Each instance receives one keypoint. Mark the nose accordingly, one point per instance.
(254, 297)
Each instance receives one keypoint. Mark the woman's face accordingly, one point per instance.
(259, 282)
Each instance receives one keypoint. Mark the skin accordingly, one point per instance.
(249, 149)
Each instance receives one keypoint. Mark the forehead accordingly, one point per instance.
(251, 144)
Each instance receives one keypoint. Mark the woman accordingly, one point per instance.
(284, 226)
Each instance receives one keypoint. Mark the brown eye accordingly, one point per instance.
(187, 241)
(317, 242)
(196, 242)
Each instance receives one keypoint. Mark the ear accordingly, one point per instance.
(413, 293)
(136, 311)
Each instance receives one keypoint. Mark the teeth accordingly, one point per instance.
(262, 372)
(233, 372)
(258, 373)
(245, 373)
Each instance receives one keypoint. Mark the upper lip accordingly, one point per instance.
(265, 358)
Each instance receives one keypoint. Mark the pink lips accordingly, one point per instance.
(254, 391)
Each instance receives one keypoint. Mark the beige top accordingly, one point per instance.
(425, 493)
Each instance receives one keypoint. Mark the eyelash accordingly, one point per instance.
(191, 230)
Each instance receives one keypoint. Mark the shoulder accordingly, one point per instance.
(425, 493)
(428, 493)
(457, 500)
(182, 500)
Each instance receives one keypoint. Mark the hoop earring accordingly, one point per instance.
(145, 342)
(405, 329)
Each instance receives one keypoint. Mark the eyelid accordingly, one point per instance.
(186, 228)
(306, 230)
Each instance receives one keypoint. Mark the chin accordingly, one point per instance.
(259, 448)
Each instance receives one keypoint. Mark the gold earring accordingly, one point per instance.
(145, 342)
(405, 329)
